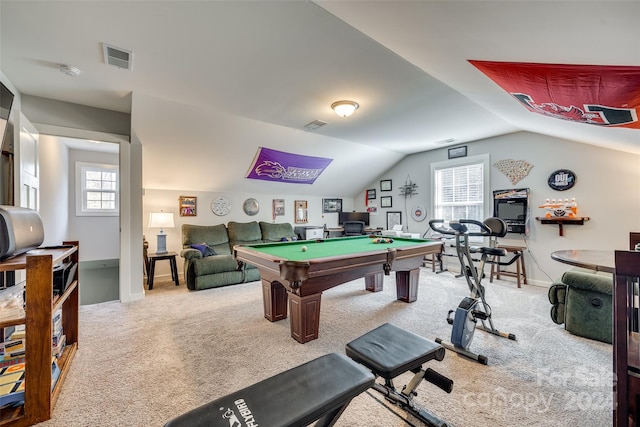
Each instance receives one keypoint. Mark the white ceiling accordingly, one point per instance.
(285, 62)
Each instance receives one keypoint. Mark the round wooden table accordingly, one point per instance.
(592, 259)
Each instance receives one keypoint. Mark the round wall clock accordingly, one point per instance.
(251, 207)
(220, 206)
(562, 179)
(418, 213)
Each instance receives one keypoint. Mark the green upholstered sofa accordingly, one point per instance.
(582, 300)
(221, 269)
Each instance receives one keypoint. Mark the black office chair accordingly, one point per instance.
(353, 228)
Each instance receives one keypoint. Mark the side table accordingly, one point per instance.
(171, 256)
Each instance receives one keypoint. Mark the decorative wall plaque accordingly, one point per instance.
(562, 179)
(251, 207)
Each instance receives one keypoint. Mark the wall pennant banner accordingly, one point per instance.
(273, 165)
(595, 94)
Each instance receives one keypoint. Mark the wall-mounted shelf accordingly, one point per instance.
(562, 221)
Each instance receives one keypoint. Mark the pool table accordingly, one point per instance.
(289, 272)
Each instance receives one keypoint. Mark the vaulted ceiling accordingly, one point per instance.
(283, 63)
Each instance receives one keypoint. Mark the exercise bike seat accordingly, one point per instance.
(484, 250)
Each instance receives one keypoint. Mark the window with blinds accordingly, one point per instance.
(459, 192)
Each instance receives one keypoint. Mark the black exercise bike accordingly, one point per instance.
(473, 309)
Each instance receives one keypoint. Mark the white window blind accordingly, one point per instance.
(459, 192)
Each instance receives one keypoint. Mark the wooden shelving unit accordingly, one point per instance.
(561, 221)
(39, 308)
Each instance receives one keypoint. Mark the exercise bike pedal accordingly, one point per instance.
(483, 275)
(477, 314)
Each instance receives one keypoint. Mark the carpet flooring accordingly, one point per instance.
(145, 362)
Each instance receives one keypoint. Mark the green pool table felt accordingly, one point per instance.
(331, 247)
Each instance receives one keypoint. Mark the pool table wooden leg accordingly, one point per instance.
(274, 299)
(374, 282)
(407, 285)
(305, 317)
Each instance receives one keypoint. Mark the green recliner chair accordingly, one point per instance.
(581, 299)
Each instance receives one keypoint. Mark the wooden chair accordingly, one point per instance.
(626, 341)
(634, 239)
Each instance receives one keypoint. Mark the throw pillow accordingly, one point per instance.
(204, 249)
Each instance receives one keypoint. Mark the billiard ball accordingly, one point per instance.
(303, 249)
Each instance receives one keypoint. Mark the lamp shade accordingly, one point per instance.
(161, 220)
(344, 108)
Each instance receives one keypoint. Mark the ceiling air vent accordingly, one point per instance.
(117, 57)
(446, 141)
(314, 125)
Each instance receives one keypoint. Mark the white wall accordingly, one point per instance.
(607, 191)
(54, 190)
(99, 236)
(46, 111)
(131, 264)
(156, 200)
(196, 148)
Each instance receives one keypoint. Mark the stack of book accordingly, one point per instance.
(12, 384)
(12, 361)
(57, 346)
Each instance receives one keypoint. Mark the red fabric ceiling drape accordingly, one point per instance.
(594, 94)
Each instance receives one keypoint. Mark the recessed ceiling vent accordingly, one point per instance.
(117, 57)
(314, 125)
(446, 141)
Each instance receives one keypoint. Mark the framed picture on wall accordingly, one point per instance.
(385, 185)
(278, 207)
(188, 205)
(300, 212)
(331, 205)
(371, 194)
(386, 202)
(393, 218)
(457, 152)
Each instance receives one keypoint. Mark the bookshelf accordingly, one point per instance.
(40, 305)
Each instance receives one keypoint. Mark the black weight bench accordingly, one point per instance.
(390, 351)
(318, 390)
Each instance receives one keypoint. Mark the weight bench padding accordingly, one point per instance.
(296, 397)
(390, 351)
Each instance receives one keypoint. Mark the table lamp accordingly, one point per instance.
(161, 220)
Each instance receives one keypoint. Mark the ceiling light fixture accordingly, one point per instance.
(344, 108)
(69, 70)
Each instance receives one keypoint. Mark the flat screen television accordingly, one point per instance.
(6, 146)
(353, 216)
(512, 210)
(512, 206)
